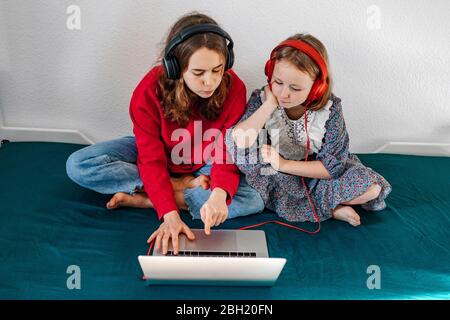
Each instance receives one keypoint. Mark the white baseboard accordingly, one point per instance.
(75, 136)
(416, 148)
(41, 134)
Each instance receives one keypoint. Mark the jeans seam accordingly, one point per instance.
(190, 199)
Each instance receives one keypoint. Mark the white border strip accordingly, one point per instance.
(416, 148)
(75, 136)
(41, 134)
(47, 135)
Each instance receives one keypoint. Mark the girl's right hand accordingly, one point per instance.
(270, 98)
(170, 228)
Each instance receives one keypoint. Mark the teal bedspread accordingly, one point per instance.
(48, 223)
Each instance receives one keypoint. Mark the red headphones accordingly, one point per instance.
(320, 84)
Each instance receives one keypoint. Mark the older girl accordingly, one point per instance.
(193, 92)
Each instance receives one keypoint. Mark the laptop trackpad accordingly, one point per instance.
(216, 241)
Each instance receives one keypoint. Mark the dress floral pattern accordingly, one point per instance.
(285, 193)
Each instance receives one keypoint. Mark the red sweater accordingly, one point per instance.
(153, 134)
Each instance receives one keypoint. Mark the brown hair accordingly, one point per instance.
(176, 98)
(304, 63)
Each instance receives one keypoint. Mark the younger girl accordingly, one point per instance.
(193, 92)
(298, 104)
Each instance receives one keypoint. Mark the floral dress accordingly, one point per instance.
(329, 143)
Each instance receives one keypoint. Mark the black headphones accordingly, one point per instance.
(170, 62)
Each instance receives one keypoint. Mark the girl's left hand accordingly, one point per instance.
(270, 96)
(215, 210)
(270, 155)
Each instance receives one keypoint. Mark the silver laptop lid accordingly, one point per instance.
(236, 271)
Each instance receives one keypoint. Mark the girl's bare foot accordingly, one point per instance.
(137, 200)
(193, 182)
(189, 181)
(140, 200)
(347, 214)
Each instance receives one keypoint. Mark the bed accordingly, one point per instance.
(48, 224)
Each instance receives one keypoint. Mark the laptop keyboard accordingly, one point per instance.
(213, 254)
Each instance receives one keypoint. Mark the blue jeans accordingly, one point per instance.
(110, 167)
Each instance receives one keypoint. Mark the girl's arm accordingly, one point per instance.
(151, 160)
(245, 133)
(308, 169)
(335, 149)
(331, 158)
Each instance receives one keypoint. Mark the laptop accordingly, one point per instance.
(225, 257)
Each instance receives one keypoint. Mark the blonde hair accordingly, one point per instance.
(305, 64)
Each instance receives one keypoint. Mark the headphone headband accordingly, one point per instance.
(171, 64)
(309, 51)
(193, 30)
(320, 84)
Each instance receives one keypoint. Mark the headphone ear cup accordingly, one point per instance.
(268, 69)
(321, 90)
(166, 67)
(171, 68)
(176, 69)
(230, 59)
(317, 91)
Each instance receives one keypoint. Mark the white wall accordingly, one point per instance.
(394, 81)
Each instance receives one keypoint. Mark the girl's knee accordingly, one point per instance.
(260, 205)
(82, 161)
(374, 191)
(255, 206)
(245, 207)
(371, 193)
(72, 166)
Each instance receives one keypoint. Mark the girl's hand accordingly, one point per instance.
(170, 228)
(270, 155)
(270, 98)
(215, 210)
